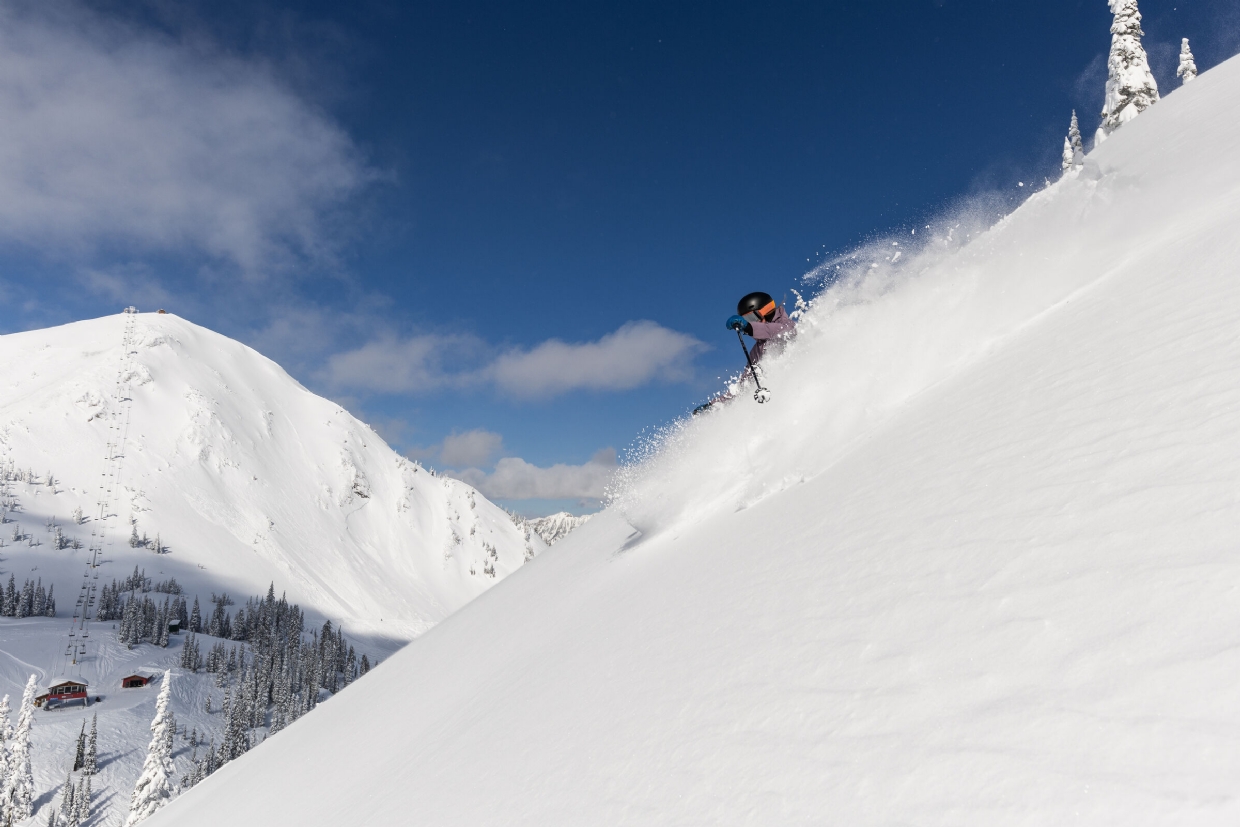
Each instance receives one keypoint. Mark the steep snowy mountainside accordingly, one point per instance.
(974, 564)
(243, 474)
(555, 527)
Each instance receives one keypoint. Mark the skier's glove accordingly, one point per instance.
(738, 323)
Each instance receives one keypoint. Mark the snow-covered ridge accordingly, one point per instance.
(555, 527)
(245, 477)
(973, 565)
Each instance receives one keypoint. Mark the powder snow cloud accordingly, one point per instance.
(124, 138)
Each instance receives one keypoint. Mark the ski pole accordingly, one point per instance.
(761, 394)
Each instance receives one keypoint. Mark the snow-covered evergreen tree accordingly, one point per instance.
(154, 786)
(170, 734)
(6, 726)
(79, 755)
(17, 797)
(67, 808)
(1074, 135)
(161, 630)
(91, 765)
(191, 658)
(25, 600)
(1188, 67)
(82, 800)
(6, 732)
(1131, 88)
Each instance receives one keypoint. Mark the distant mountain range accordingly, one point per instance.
(556, 526)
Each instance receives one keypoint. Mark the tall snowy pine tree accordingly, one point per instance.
(17, 796)
(6, 732)
(67, 808)
(91, 765)
(1131, 88)
(1188, 67)
(1074, 138)
(79, 755)
(154, 787)
(82, 800)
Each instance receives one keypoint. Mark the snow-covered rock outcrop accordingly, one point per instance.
(555, 527)
(245, 477)
(974, 564)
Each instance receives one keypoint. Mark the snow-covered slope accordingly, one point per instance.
(557, 526)
(245, 476)
(974, 565)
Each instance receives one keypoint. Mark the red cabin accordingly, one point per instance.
(64, 691)
(135, 681)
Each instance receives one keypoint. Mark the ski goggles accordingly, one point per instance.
(760, 314)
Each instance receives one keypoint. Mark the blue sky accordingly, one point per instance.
(510, 232)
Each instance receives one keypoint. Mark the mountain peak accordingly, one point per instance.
(244, 475)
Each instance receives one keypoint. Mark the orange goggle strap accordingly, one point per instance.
(761, 313)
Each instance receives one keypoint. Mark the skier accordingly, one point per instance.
(768, 324)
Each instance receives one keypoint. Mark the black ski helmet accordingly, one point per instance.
(760, 303)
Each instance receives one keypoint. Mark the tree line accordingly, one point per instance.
(28, 601)
(280, 673)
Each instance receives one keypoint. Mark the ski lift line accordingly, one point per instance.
(118, 422)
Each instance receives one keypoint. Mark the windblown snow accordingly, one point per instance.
(975, 563)
(243, 475)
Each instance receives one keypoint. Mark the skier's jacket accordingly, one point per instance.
(771, 335)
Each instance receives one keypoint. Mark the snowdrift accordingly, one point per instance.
(243, 475)
(974, 565)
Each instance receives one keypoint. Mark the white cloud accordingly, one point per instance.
(111, 135)
(472, 448)
(126, 284)
(392, 365)
(516, 479)
(637, 353)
